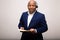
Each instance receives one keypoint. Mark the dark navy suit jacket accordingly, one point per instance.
(38, 22)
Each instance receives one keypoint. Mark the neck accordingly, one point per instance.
(32, 12)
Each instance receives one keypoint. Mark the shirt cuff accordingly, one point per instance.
(35, 30)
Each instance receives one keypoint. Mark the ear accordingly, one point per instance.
(36, 6)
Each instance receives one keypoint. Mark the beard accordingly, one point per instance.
(32, 10)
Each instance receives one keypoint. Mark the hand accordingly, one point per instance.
(22, 28)
(32, 30)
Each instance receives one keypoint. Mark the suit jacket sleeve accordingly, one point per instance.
(20, 22)
(43, 25)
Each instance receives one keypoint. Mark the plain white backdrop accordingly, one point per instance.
(11, 10)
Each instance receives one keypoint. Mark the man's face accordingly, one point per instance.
(31, 6)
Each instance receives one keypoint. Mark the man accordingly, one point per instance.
(33, 21)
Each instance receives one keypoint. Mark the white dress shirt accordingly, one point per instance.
(30, 16)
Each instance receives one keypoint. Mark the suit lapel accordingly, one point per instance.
(33, 18)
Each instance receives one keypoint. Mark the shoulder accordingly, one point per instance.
(39, 13)
(24, 12)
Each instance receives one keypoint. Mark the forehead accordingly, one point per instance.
(31, 3)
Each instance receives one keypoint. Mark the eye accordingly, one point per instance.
(33, 5)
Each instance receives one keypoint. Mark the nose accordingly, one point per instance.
(31, 6)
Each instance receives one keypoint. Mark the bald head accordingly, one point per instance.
(32, 2)
(32, 5)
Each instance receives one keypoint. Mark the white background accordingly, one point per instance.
(11, 10)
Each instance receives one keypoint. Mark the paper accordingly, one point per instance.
(24, 30)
